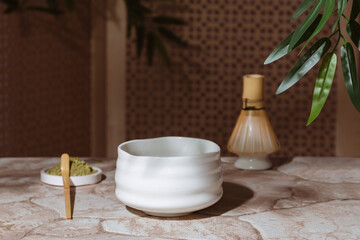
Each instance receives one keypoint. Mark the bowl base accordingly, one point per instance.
(167, 214)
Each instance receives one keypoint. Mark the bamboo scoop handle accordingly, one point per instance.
(65, 162)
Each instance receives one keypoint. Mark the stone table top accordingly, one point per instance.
(307, 198)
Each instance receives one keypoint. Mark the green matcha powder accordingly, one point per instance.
(77, 168)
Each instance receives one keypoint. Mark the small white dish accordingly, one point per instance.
(169, 176)
(74, 180)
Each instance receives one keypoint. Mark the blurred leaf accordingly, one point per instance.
(162, 50)
(350, 74)
(341, 9)
(10, 10)
(129, 18)
(136, 6)
(169, 35)
(305, 63)
(329, 7)
(53, 4)
(43, 9)
(355, 9)
(150, 48)
(305, 4)
(353, 29)
(140, 37)
(11, 5)
(323, 85)
(310, 18)
(135, 15)
(168, 20)
(10, 2)
(142, 8)
(138, 19)
(283, 48)
(129, 27)
(70, 5)
(134, 19)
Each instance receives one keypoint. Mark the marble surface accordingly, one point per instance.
(306, 198)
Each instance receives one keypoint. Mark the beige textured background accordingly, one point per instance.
(200, 96)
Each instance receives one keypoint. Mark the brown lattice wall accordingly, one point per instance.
(200, 95)
(45, 83)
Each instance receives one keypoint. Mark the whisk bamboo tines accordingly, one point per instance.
(253, 136)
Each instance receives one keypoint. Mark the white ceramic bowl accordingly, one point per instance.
(169, 176)
(74, 180)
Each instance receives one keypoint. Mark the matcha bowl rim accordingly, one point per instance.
(209, 148)
(74, 180)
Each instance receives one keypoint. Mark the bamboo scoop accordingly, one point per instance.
(65, 172)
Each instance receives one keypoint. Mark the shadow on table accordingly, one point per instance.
(72, 199)
(103, 177)
(73, 190)
(234, 196)
(279, 161)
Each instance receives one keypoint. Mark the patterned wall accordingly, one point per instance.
(200, 96)
(45, 83)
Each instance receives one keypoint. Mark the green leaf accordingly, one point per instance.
(323, 84)
(353, 29)
(279, 51)
(168, 20)
(283, 48)
(140, 37)
(162, 50)
(329, 7)
(350, 75)
(169, 35)
(150, 48)
(305, 4)
(341, 9)
(305, 63)
(70, 5)
(310, 18)
(355, 9)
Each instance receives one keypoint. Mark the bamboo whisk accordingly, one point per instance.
(253, 134)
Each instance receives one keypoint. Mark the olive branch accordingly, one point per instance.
(304, 33)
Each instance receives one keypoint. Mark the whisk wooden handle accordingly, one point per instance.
(65, 172)
(253, 87)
